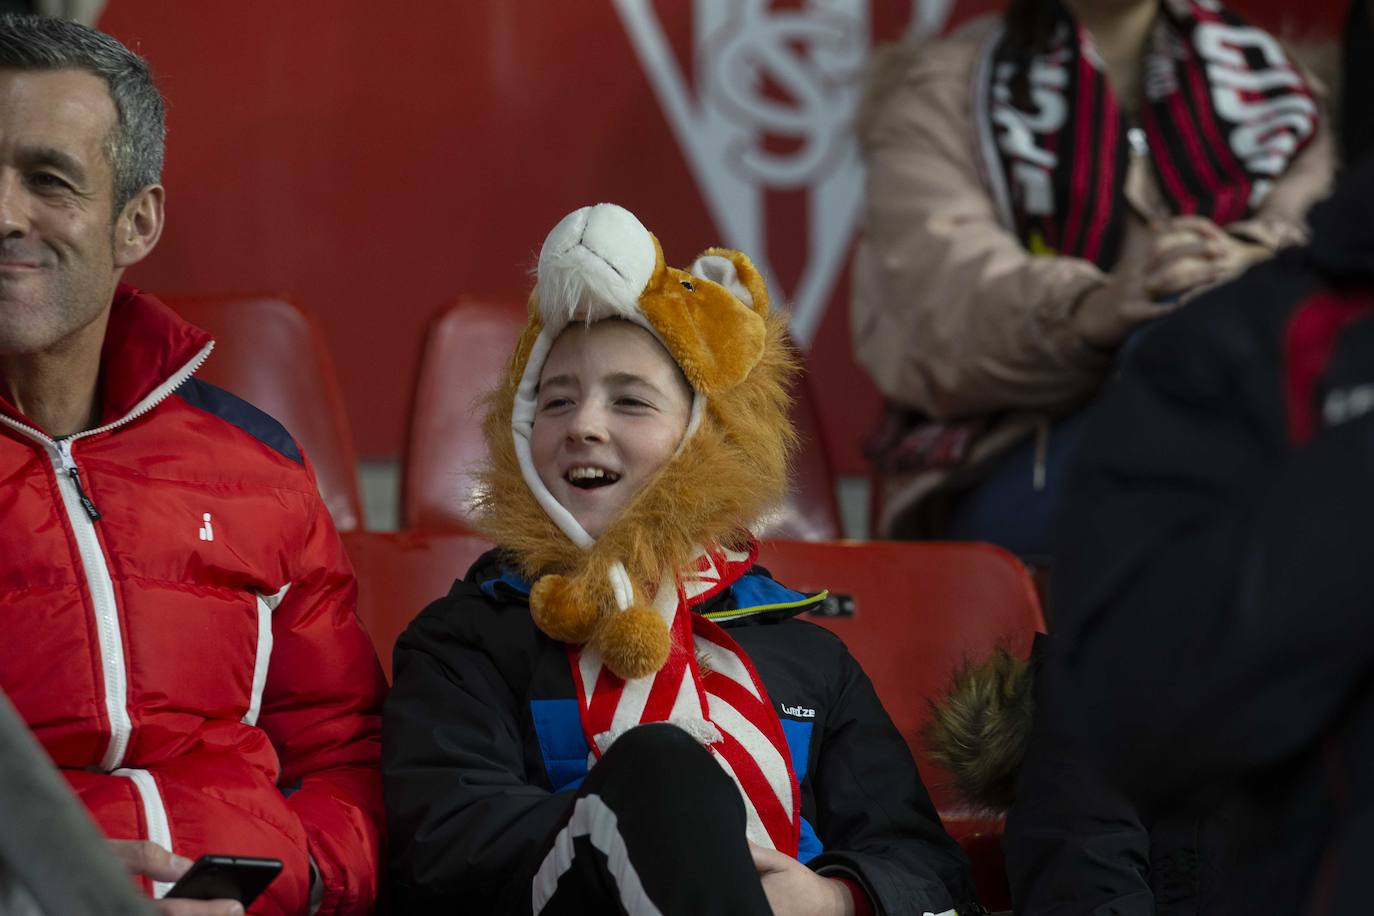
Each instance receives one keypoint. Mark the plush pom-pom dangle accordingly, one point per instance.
(562, 609)
(634, 643)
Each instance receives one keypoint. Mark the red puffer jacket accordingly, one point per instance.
(180, 627)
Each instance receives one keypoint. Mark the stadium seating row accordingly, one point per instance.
(273, 354)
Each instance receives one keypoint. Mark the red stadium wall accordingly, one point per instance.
(375, 161)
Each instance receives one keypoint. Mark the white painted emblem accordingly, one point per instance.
(815, 56)
(207, 532)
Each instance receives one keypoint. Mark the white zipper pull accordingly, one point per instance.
(64, 451)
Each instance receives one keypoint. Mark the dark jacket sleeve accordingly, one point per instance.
(1268, 672)
(1247, 635)
(1172, 614)
(1075, 844)
(465, 819)
(873, 813)
(1174, 626)
(1155, 516)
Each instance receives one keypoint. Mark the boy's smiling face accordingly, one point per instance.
(612, 409)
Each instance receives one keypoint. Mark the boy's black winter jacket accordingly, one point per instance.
(482, 744)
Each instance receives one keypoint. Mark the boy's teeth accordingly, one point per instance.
(590, 474)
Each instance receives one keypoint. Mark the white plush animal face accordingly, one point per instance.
(595, 264)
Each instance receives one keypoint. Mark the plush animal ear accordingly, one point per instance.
(715, 338)
(734, 271)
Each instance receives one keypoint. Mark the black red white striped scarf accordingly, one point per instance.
(721, 702)
(1223, 112)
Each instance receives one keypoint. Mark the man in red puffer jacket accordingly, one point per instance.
(178, 612)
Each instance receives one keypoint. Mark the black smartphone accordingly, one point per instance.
(239, 878)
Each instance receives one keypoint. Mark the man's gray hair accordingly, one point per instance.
(135, 145)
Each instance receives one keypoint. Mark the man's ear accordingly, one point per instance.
(139, 227)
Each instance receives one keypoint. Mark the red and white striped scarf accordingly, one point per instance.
(1223, 114)
(722, 702)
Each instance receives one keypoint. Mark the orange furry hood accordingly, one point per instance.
(730, 471)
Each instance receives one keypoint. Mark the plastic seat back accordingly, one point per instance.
(920, 610)
(273, 355)
(400, 572)
(467, 349)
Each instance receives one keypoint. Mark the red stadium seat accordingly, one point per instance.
(466, 351)
(920, 609)
(399, 572)
(273, 354)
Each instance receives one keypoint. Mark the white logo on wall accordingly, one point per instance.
(815, 54)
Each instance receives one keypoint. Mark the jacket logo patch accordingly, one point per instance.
(801, 712)
(207, 533)
(1345, 404)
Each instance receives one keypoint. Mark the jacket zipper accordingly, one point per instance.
(64, 452)
(82, 516)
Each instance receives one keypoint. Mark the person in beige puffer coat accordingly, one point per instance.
(978, 334)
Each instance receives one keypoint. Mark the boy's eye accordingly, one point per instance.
(554, 403)
(633, 402)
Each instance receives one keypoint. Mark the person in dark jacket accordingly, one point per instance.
(1357, 73)
(1193, 740)
(617, 710)
(1210, 661)
(1219, 639)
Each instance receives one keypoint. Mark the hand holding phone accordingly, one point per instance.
(150, 860)
(218, 877)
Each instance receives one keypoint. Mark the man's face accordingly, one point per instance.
(58, 258)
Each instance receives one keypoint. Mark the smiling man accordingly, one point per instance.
(178, 609)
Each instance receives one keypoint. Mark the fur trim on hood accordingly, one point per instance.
(979, 731)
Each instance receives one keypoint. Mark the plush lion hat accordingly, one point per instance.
(729, 470)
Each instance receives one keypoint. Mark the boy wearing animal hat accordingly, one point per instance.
(616, 709)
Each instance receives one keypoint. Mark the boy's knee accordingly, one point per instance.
(668, 757)
(661, 747)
